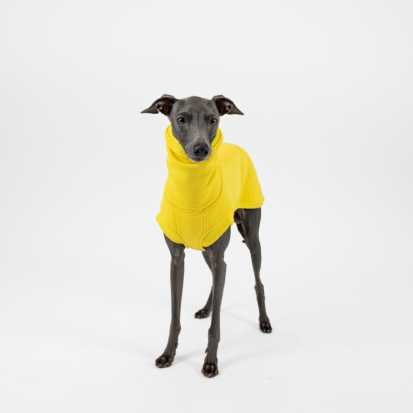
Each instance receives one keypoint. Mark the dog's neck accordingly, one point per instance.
(192, 186)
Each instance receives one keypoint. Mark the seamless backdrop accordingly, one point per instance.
(326, 88)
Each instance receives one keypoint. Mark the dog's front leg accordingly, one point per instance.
(177, 283)
(218, 267)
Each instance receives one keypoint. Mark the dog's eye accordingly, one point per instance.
(213, 121)
(181, 120)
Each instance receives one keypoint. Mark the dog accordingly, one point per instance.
(210, 186)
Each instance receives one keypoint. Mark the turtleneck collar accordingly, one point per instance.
(172, 144)
(191, 186)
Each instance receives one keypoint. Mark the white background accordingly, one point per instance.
(326, 88)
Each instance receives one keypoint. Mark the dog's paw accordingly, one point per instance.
(202, 313)
(265, 326)
(210, 369)
(164, 361)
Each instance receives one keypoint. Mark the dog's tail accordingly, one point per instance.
(241, 231)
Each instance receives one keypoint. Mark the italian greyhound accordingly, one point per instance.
(201, 117)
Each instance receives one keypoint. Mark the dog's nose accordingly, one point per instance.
(201, 151)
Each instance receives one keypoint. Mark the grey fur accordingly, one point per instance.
(198, 132)
(197, 112)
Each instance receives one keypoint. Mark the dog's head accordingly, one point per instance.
(194, 121)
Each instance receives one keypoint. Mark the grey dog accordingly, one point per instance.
(201, 117)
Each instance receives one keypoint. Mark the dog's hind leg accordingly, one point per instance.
(250, 225)
(206, 310)
(177, 283)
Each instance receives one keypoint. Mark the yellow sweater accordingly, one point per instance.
(200, 199)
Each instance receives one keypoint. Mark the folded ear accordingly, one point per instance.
(226, 105)
(163, 104)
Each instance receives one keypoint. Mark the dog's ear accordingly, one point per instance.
(225, 106)
(163, 104)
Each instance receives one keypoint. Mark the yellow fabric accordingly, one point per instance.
(200, 199)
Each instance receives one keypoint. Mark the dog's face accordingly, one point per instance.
(194, 121)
